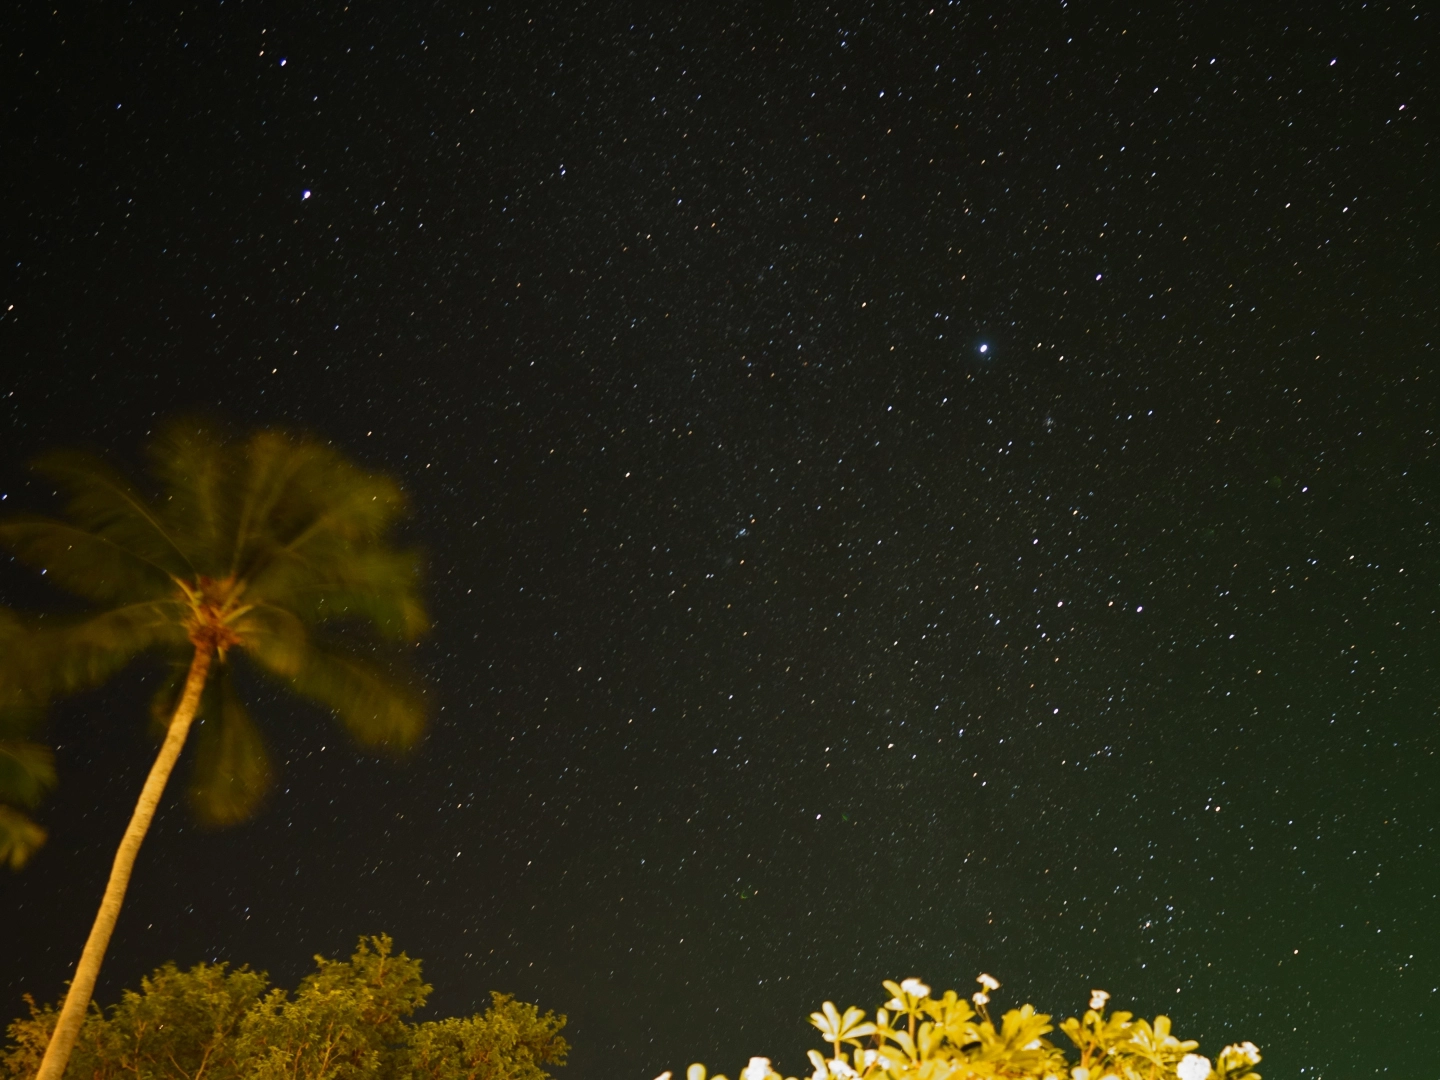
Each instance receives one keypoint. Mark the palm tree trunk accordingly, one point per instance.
(82, 986)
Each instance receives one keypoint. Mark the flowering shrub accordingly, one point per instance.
(919, 1037)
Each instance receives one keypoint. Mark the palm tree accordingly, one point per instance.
(270, 549)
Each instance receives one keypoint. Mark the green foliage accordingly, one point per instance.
(178, 1026)
(349, 1020)
(27, 771)
(269, 550)
(345, 1022)
(232, 770)
(919, 1037)
(509, 1042)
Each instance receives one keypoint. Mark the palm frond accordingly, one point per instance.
(20, 837)
(83, 562)
(271, 462)
(167, 696)
(306, 502)
(232, 769)
(195, 461)
(276, 638)
(27, 771)
(372, 584)
(312, 538)
(376, 709)
(103, 502)
(333, 502)
(53, 657)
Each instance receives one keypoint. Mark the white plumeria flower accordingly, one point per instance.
(980, 997)
(758, 1069)
(1098, 998)
(1239, 1055)
(840, 1069)
(1193, 1067)
(989, 982)
(915, 988)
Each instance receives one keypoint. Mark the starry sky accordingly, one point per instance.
(907, 490)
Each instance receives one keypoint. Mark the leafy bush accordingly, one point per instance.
(347, 1021)
(919, 1037)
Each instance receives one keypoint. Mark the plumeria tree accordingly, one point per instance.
(916, 1036)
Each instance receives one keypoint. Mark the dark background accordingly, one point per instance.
(752, 678)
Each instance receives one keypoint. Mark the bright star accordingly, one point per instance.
(984, 348)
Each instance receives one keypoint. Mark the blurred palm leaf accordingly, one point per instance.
(105, 504)
(20, 837)
(27, 772)
(82, 562)
(232, 765)
(376, 710)
(53, 657)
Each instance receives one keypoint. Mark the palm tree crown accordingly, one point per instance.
(257, 547)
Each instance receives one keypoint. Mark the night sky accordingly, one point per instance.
(905, 491)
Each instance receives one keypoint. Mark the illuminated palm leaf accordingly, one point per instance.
(27, 769)
(20, 837)
(59, 656)
(81, 562)
(102, 502)
(376, 710)
(340, 586)
(232, 765)
(27, 772)
(199, 479)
